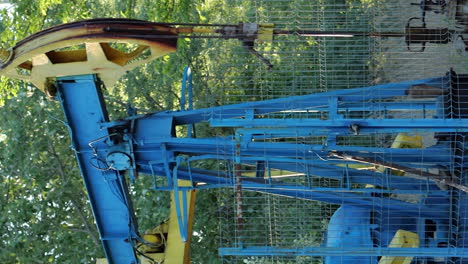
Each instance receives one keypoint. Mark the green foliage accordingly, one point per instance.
(42, 196)
(44, 213)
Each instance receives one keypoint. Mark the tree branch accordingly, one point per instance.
(152, 101)
(88, 227)
(78, 230)
(75, 204)
(7, 199)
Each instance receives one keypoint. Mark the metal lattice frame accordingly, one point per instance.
(305, 65)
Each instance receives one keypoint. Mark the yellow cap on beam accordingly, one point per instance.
(4, 55)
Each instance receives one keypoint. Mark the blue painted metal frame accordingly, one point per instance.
(366, 125)
(84, 108)
(309, 102)
(293, 191)
(157, 152)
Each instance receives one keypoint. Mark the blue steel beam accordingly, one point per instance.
(373, 106)
(395, 183)
(84, 108)
(365, 125)
(355, 176)
(434, 211)
(388, 106)
(346, 251)
(310, 101)
(342, 174)
(149, 147)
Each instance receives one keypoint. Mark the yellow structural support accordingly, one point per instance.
(172, 249)
(176, 250)
(402, 140)
(265, 32)
(402, 239)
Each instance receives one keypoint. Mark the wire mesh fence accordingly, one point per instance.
(367, 186)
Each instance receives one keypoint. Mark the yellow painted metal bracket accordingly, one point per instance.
(172, 249)
(402, 239)
(402, 140)
(265, 32)
(4, 55)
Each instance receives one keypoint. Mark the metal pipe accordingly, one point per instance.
(339, 34)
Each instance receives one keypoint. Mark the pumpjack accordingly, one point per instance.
(372, 225)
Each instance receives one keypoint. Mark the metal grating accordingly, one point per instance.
(305, 65)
